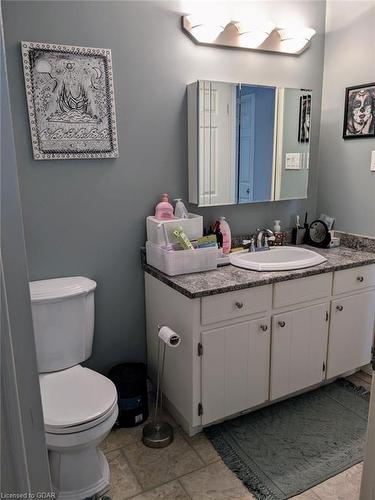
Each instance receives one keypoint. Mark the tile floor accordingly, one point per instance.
(190, 468)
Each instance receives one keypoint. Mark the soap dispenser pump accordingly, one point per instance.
(278, 233)
(164, 210)
(276, 227)
(180, 210)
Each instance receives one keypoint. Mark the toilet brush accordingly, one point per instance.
(158, 434)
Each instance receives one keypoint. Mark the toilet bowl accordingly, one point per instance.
(79, 404)
(80, 408)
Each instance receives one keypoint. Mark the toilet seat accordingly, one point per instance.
(50, 429)
(76, 399)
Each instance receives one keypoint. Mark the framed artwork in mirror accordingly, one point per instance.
(70, 100)
(304, 118)
(359, 116)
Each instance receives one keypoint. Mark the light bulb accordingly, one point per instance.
(206, 32)
(253, 37)
(294, 40)
(206, 29)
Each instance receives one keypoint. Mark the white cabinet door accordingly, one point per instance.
(351, 333)
(235, 368)
(298, 350)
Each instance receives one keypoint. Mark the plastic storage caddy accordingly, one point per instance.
(174, 262)
(193, 228)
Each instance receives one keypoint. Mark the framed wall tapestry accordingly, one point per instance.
(70, 101)
(359, 116)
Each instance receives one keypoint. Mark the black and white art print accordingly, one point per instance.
(359, 116)
(70, 100)
(304, 118)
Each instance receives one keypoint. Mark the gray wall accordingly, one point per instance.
(346, 185)
(88, 217)
(293, 182)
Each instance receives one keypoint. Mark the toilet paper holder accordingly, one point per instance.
(157, 433)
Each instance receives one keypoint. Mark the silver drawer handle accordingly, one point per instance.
(264, 328)
(340, 308)
(239, 305)
(282, 324)
(360, 279)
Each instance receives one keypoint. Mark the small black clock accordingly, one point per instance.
(318, 234)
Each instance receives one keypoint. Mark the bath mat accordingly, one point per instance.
(287, 448)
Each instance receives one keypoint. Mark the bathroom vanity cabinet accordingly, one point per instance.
(246, 348)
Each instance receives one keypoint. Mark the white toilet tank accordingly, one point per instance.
(63, 318)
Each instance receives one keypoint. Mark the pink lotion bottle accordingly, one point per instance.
(227, 237)
(164, 210)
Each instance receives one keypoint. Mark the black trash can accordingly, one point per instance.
(130, 380)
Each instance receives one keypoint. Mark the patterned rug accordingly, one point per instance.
(289, 447)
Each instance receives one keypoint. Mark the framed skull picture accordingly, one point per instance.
(70, 100)
(359, 118)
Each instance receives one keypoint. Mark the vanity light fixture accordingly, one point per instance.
(216, 30)
(204, 29)
(295, 40)
(253, 37)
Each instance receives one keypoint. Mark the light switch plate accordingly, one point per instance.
(372, 165)
(292, 161)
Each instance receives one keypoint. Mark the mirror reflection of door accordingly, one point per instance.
(293, 140)
(247, 143)
(246, 131)
(256, 130)
(217, 139)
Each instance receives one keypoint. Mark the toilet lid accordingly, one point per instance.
(60, 288)
(75, 396)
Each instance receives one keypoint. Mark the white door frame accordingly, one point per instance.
(368, 476)
(24, 461)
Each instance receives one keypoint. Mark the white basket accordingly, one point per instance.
(174, 262)
(193, 228)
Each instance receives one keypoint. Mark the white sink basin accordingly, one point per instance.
(277, 259)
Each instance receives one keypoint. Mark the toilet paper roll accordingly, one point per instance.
(167, 335)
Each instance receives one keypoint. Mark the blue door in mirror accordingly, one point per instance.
(256, 129)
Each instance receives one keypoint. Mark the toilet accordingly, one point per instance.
(79, 404)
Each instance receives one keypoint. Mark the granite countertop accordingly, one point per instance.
(230, 278)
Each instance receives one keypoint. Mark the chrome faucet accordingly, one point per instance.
(263, 235)
(249, 244)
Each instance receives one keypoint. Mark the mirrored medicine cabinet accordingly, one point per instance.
(247, 143)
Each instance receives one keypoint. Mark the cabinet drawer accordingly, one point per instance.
(302, 290)
(233, 305)
(357, 278)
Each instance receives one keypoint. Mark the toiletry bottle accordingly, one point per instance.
(300, 232)
(227, 237)
(164, 210)
(295, 231)
(219, 237)
(279, 235)
(180, 210)
(306, 224)
(306, 238)
(182, 239)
